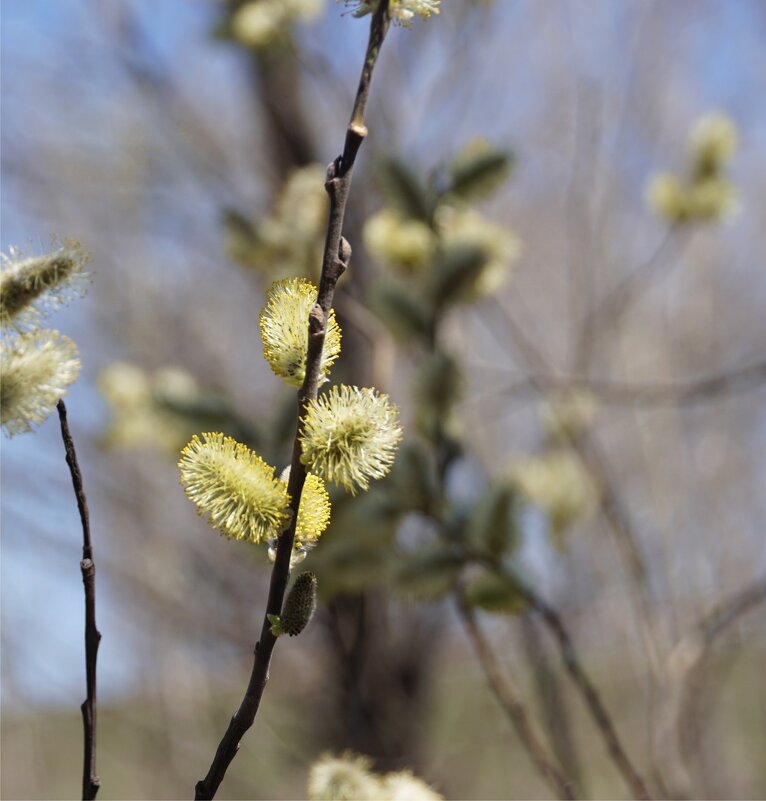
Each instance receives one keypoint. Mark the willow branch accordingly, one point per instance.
(693, 653)
(90, 780)
(587, 448)
(611, 507)
(655, 393)
(590, 694)
(611, 308)
(509, 697)
(337, 253)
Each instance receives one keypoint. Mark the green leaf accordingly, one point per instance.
(429, 574)
(412, 484)
(403, 313)
(476, 173)
(276, 625)
(439, 383)
(493, 524)
(494, 592)
(403, 189)
(357, 551)
(240, 238)
(455, 274)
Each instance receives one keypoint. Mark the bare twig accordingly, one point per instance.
(552, 701)
(337, 253)
(590, 694)
(611, 506)
(611, 307)
(90, 780)
(585, 446)
(656, 393)
(692, 654)
(509, 697)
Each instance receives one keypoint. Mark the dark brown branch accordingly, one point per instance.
(510, 699)
(90, 780)
(590, 694)
(337, 253)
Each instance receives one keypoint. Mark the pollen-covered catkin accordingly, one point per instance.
(233, 487)
(29, 286)
(350, 436)
(285, 331)
(35, 371)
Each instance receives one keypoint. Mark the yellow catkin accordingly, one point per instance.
(284, 330)
(350, 436)
(35, 371)
(233, 487)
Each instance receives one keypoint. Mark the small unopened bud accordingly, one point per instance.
(300, 605)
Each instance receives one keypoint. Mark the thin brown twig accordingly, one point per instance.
(585, 446)
(90, 780)
(337, 253)
(552, 701)
(507, 694)
(500, 681)
(694, 651)
(590, 694)
(656, 393)
(627, 292)
(611, 506)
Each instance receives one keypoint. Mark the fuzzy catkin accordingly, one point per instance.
(300, 604)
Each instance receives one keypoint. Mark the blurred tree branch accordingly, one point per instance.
(505, 690)
(709, 388)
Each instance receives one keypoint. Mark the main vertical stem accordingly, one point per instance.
(90, 780)
(337, 253)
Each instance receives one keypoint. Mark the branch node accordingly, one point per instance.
(344, 253)
(316, 321)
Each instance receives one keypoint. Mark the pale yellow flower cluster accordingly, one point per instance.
(289, 240)
(713, 143)
(567, 415)
(350, 436)
(445, 251)
(139, 402)
(35, 371)
(558, 483)
(36, 366)
(706, 195)
(285, 333)
(468, 228)
(233, 487)
(260, 23)
(240, 495)
(409, 246)
(313, 517)
(349, 778)
(402, 11)
(31, 286)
